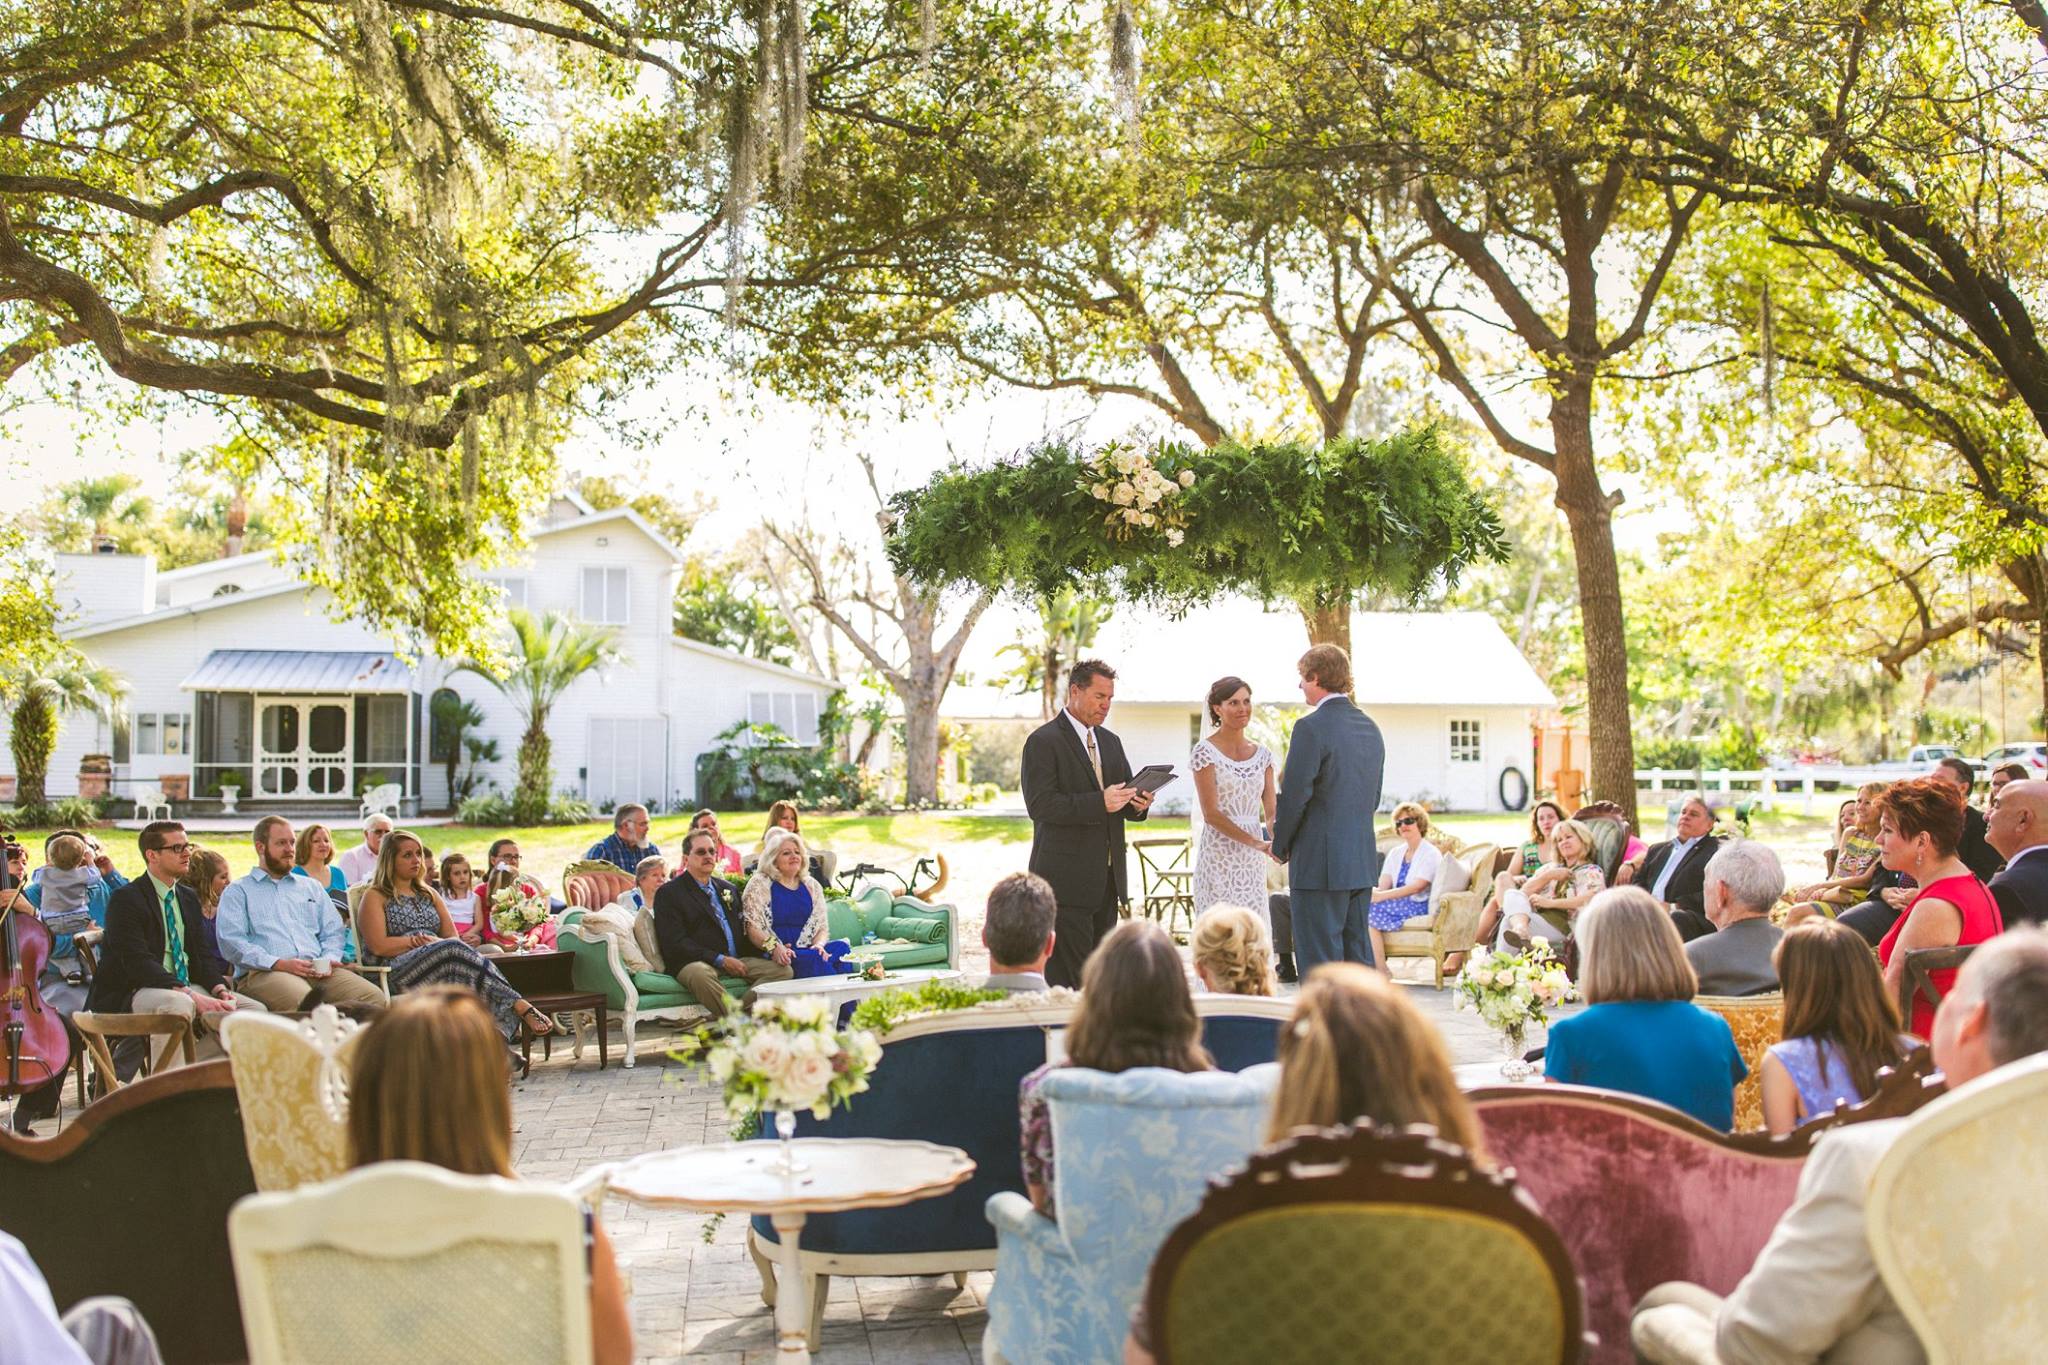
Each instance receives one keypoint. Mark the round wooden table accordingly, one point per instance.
(844, 1173)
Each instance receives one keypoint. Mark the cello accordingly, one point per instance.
(34, 1048)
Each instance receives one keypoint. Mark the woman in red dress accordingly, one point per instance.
(1920, 826)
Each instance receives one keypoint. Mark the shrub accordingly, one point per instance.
(755, 765)
(72, 812)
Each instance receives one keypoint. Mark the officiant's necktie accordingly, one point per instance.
(1094, 756)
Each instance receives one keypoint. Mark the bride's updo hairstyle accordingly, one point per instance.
(1236, 949)
(1222, 690)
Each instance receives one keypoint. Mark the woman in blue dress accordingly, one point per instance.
(1405, 875)
(783, 910)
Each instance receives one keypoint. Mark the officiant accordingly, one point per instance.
(1077, 789)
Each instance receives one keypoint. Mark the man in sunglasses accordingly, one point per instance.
(151, 958)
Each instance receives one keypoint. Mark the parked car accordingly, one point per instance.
(2032, 755)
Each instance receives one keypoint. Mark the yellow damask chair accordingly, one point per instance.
(1310, 1210)
(1955, 1220)
(1757, 1021)
(291, 1077)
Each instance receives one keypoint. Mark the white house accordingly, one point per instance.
(235, 669)
(1453, 697)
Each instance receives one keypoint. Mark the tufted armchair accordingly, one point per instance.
(291, 1076)
(1757, 1021)
(593, 885)
(1309, 1211)
(1134, 1151)
(1959, 1247)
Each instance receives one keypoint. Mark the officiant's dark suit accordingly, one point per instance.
(1077, 844)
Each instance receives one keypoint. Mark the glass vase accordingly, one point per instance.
(785, 1160)
(1512, 1047)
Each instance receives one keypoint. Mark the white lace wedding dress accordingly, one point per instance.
(1227, 872)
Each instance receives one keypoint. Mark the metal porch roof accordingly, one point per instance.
(298, 670)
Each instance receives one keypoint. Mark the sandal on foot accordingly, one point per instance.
(538, 1023)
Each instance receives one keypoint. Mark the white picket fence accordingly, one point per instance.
(1767, 784)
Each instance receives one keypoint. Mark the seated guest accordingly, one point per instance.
(627, 844)
(1921, 829)
(1743, 882)
(406, 927)
(1233, 952)
(95, 1331)
(648, 877)
(1973, 849)
(1355, 1051)
(697, 922)
(2002, 776)
(504, 862)
(783, 910)
(315, 854)
(1814, 1292)
(1135, 1011)
(1536, 853)
(458, 889)
(428, 1084)
(1840, 1026)
(1405, 875)
(505, 854)
(782, 815)
(1018, 933)
(206, 872)
(1641, 1033)
(1674, 871)
(152, 959)
(280, 932)
(1857, 861)
(2018, 828)
(728, 856)
(71, 895)
(1546, 903)
(359, 862)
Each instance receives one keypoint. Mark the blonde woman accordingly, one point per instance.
(1405, 876)
(783, 910)
(1233, 951)
(206, 872)
(1640, 1032)
(1544, 905)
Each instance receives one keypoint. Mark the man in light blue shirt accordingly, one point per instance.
(283, 934)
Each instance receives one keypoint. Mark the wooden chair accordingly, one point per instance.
(1166, 880)
(1757, 1021)
(389, 1241)
(132, 1199)
(95, 1029)
(1308, 1211)
(1918, 979)
(380, 977)
(1954, 1218)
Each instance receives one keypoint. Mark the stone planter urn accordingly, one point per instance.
(230, 792)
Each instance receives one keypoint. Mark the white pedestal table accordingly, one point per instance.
(843, 1173)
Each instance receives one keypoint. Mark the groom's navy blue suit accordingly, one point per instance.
(1322, 830)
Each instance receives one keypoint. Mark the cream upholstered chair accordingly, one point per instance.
(395, 1243)
(291, 1077)
(1452, 920)
(1955, 1218)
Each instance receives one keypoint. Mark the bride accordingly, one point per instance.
(1234, 783)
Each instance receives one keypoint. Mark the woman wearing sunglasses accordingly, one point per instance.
(1405, 875)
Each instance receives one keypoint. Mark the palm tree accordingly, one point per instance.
(108, 506)
(548, 653)
(1068, 624)
(38, 697)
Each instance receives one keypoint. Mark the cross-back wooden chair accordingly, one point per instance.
(95, 1029)
(1918, 980)
(1166, 879)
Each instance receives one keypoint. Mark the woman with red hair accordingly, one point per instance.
(1920, 827)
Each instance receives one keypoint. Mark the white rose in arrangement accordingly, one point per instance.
(807, 1078)
(722, 1063)
(1122, 494)
(1187, 478)
(1147, 519)
(1131, 515)
(1101, 492)
(767, 1052)
(1175, 537)
(805, 1009)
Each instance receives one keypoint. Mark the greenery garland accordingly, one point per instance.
(1309, 523)
(884, 1010)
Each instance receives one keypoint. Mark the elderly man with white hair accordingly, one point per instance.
(1743, 881)
(360, 862)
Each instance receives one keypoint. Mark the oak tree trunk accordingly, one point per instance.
(1328, 623)
(920, 747)
(1590, 516)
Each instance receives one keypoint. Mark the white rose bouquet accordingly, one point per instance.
(518, 909)
(784, 1056)
(1511, 991)
(1142, 498)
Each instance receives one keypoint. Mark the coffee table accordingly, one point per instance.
(843, 1173)
(838, 990)
(544, 978)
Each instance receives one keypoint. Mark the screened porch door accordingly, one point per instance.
(304, 747)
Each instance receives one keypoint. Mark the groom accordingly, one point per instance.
(1322, 828)
(1077, 790)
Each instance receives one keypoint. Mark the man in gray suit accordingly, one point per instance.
(1743, 882)
(1322, 828)
(1018, 933)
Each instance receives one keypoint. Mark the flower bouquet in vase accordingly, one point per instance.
(866, 967)
(517, 911)
(784, 1056)
(1511, 991)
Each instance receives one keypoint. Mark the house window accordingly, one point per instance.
(605, 596)
(793, 713)
(440, 733)
(1466, 741)
(514, 589)
(162, 732)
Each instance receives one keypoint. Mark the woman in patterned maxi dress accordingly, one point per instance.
(405, 925)
(1235, 793)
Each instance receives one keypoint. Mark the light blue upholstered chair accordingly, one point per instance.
(1132, 1155)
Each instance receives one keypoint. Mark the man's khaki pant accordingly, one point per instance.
(154, 1000)
(701, 980)
(282, 991)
